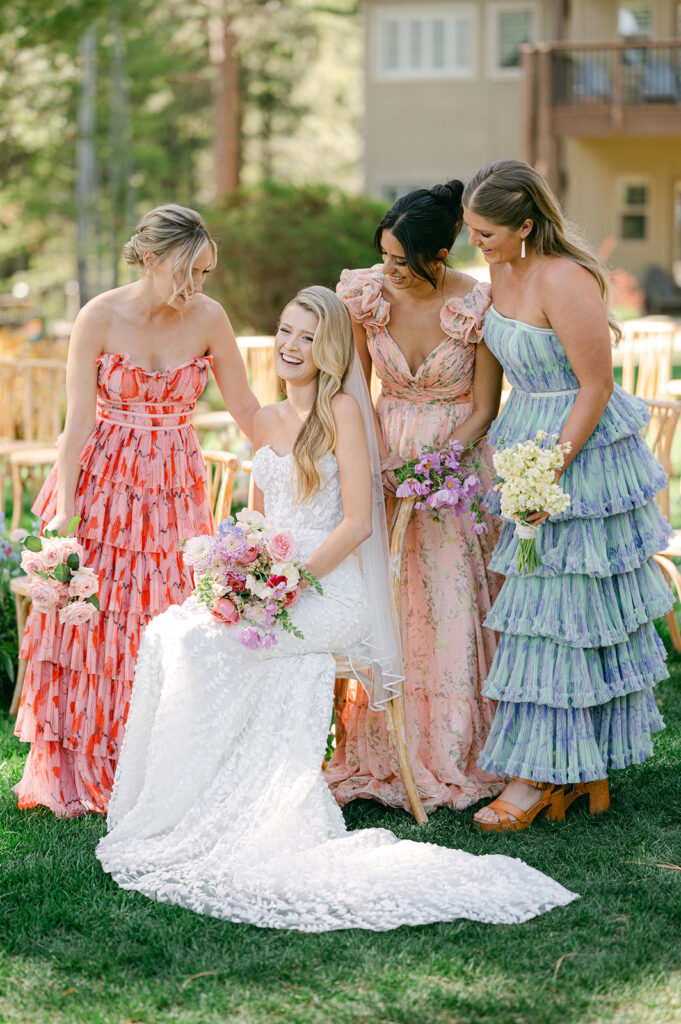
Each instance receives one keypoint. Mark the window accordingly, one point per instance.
(425, 41)
(513, 25)
(635, 20)
(634, 202)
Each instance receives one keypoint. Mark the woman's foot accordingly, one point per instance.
(519, 804)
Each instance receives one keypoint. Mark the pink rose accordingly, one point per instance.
(281, 546)
(32, 561)
(43, 595)
(77, 613)
(250, 555)
(83, 583)
(225, 611)
(291, 598)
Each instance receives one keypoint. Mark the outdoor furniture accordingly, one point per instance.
(28, 468)
(22, 603)
(592, 82)
(663, 295)
(647, 344)
(221, 470)
(660, 84)
(660, 435)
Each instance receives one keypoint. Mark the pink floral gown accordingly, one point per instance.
(447, 589)
(141, 490)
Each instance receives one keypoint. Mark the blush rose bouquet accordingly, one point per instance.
(249, 574)
(57, 578)
(444, 482)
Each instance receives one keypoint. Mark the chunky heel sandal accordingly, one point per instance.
(550, 802)
(598, 793)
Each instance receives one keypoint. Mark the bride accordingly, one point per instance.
(219, 802)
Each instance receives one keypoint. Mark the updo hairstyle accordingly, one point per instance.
(509, 192)
(165, 229)
(424, 222)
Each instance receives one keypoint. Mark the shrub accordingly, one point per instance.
(9, 652)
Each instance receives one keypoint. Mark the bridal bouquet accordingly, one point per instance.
(526, 476)
(57, 578)
(442, 482)
(250, 574)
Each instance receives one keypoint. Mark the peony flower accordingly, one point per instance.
(250, 554)
(83, 583)
(43, 595)
(225, 611)
(77, 613)
(281, 546)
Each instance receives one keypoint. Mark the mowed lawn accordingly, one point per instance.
(75, 948)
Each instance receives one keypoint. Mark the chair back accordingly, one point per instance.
(659, 434)
(258, 355)
(648, 344)
(34, 399)
(221, 470)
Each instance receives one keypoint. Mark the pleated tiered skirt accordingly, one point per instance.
(579, 655)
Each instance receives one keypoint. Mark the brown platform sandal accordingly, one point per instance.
(598, 793)
(551, 803)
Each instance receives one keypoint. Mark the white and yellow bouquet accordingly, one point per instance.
(526, 477)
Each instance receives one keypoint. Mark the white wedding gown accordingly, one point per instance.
(220, 803)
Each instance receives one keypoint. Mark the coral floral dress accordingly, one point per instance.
(141, 490)
(447, 588)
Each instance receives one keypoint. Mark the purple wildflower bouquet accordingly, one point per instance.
(250, 573)
(443, 483)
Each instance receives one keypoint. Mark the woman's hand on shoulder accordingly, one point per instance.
(228, 365)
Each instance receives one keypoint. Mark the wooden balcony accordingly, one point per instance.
(599, 90)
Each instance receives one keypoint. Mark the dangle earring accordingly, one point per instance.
(522, 250)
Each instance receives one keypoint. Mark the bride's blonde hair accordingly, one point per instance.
(332, 350)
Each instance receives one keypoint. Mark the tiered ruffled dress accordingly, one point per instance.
(141, 491)
(447, 588)
(578, 655)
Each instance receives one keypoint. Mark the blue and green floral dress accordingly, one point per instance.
(579, 655)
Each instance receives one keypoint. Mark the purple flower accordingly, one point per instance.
(479, 527)
(470, 485)
(251, 637)
(411, 487)
(428, 462)
(268, 640)
(452, 460)
(232, 546)
(441, 499)
(453, 485)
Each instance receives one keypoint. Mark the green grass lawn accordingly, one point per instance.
(75, 948)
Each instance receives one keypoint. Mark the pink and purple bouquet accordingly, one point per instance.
(250, 573)
(57, 578)
(443, 483)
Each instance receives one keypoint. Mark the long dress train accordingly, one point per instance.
(220, 804)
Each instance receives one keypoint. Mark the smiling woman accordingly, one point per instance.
(418, 324)
(131, 468)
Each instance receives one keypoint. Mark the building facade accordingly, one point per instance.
(588, 92)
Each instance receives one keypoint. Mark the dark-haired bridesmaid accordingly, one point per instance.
(418, 323)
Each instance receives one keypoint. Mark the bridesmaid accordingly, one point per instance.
(419, 324)
(130, 466)
(578, 655)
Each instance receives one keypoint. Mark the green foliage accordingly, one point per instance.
(9, 649)
(275, 239)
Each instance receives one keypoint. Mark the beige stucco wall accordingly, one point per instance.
(420, 131)
(591, 199)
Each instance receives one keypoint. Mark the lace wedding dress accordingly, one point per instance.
(220, 803)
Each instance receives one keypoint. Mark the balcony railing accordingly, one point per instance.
(626, 88)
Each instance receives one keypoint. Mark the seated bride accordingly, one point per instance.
(220, 803)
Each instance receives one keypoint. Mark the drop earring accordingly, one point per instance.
(522, 250)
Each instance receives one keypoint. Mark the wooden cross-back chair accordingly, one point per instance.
(647, 344)
(660, 436)
(221, 470)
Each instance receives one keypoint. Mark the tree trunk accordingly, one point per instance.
(227, 104)
(85, 157)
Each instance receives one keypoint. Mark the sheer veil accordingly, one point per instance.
(377, 662)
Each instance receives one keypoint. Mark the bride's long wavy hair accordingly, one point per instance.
(332, 351)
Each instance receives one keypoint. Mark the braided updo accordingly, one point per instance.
(171, 229)
(424, 222)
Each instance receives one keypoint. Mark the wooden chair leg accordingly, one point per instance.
(340, 699)
(673, 578)
(399, 730)
(22, 605)
(17, 497)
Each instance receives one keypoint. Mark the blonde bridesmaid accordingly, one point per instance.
(418, 323)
